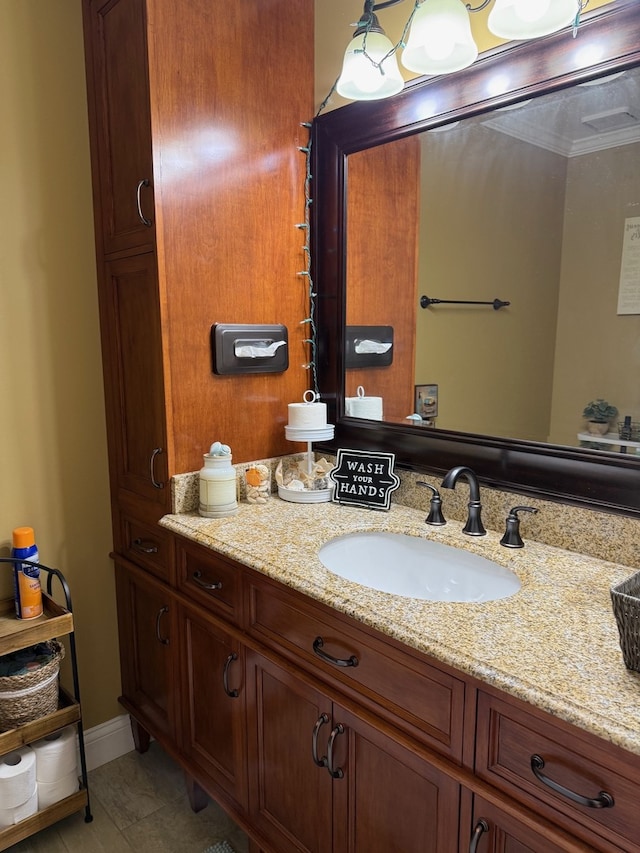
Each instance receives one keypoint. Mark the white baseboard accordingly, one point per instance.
(107, 741)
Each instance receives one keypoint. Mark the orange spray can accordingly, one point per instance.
(26, 576)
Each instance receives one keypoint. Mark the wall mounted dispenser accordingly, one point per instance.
(241, 348)
(368, 346)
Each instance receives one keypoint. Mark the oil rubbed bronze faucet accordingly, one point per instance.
(435, 517)
(512, 538)
(474, 526)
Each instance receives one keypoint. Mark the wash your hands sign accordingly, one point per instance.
(364, 479)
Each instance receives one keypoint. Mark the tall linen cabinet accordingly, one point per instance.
(195, 115)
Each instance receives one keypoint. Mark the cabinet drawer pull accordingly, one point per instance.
(481, 827)
(232, 694)
(159, 637)
(335, 773)
(143, 183)
(197, 576)
(139, 545)
(152, 464)
(318, 643)
(602, 801)
(321, 721)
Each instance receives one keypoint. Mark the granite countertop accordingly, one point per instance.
(553, 644)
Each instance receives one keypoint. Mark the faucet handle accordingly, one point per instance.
(512, 538)
(435, 517)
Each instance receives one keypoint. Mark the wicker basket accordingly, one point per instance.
(629, 432)
(625, 598)
(24, 698)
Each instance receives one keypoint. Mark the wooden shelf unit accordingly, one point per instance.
(15, 634)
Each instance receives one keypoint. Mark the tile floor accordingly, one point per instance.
(139, 803)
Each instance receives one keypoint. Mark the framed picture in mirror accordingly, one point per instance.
(426, 399)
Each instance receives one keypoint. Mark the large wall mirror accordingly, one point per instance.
(517, 180)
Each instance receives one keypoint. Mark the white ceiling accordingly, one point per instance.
(580, 120)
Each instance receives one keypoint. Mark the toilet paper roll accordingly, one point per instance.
(364, 407)
(55, 755)
(10, 816)
(17, 777)
(51, 792)
(307, 415)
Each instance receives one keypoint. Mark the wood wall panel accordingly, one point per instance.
(229, 189)
(382, 264)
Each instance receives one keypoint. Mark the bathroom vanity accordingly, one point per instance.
(326, 716)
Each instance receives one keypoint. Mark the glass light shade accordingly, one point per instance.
(440, 39)
(360, 80)
(525, 19)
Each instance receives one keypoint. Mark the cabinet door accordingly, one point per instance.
(494, 831)
(326, 780)
(387, 796)
(213, 732)
(289, 795)
(132, 356)
(147, 630)
(119, 100)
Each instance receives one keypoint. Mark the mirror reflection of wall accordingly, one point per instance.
(382, 259)
(491, 227)
(527, 205)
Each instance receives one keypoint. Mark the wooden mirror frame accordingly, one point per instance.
(596, 479)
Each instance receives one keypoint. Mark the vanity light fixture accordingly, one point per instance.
(370, 68)
(439, 39)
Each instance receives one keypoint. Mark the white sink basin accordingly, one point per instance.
(417, 568)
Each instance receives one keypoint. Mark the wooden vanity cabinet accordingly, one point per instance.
(147, 545)
(580, 783)
(213, 687)
(198, 181)
(120, 102)
(214, 582)
(134, 380)
(125, 214)
(194, 223)
(398, 752)
(359, 787)
(290, 797)
(212, 674)
(147, 626)
(390, 680)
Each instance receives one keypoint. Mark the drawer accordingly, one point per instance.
(149, 546)
(588, 770)
(211, 579)
(401, 687)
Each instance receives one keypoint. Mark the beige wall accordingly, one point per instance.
(544, 376)
(52, 430)
(598, 351)
(484, 196)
